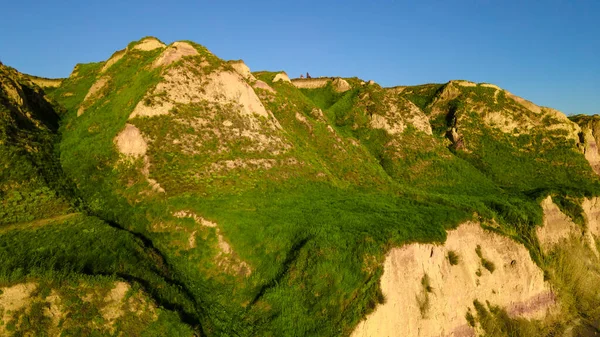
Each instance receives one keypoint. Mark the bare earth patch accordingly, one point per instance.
(310, 83)
(16, 297)
(516, 284)
(241, 68)
(591, 209)
(174, 53)
(113, 59)
(92, 93)
(380, 122)
(281, 77)
(591, 150)
(263, 85)
(219, 87)
(148, 44)
(130, 141)
(341, 85)
(557, 225)
(114, 302)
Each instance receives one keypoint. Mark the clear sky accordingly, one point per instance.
(547, 51)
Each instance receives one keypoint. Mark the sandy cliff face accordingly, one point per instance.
(426, 295)
(589, 137)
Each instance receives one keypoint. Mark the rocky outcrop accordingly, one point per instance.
(149, 43)
(557, 226)
(281, 77)
(429, 294)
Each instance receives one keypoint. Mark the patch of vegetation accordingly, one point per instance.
(61, 255)
(422, 95)
(487, 264)
(574, 271)
(453, 258)
(494, 321)
(423, 297)
(313, 234)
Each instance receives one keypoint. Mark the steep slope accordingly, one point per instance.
(29, 173)
(589, 137)
(63, 272)
(486, 147)
(259, 205)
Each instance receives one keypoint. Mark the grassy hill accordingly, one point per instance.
(234, 204)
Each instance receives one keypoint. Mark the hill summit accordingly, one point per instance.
(166, 191)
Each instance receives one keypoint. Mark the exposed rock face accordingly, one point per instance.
(399, 113)
(590, 137)
(281, 77)
(113, 59)
(174, 53)
(590, 148)
(310, 83)
(148, 44)
(262, 85)
(44, 82)
(591, 209)
(218, 87)
(241, 68)
(130, 142)
(516, 284)
(341, 85)
(498, 110)
(557, 226)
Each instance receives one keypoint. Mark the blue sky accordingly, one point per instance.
(547, 51)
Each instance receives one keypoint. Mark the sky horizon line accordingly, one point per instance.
(545, 53)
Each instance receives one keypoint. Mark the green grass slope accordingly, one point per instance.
(269, 217)
(70, 262)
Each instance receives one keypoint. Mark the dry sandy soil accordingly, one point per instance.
(516, 284)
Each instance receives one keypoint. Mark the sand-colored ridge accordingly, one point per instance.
(591, 209)
(241, 68)
(263, 85)
(282, 76)
(92, 93)
(557, 226)
(43, 82)
(341, 85)
(591, 150)
(113, 59)
(516, 284)
(489, 85)
(218, 87)
(310, 83)
(149, 43)
(13, 91)
(418, 118)
(175, 52)
(380, 122)
(464, 83)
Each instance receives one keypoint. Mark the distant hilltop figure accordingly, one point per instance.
(308, 75)
(301, 75)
